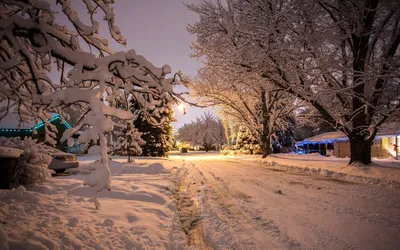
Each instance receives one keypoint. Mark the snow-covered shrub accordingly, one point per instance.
(228, 152)
(33, 164)
(94, 150)
(246, 141)
(128, 141)
(78, 149)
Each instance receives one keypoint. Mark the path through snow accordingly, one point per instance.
(242, 208)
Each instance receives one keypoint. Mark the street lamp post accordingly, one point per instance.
(397, 141)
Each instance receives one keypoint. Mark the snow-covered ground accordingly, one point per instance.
(220, 202)
(246, 205)
(138, 213)
(380, 171)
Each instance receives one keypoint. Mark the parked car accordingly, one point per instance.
(62, 161)
(183, 150)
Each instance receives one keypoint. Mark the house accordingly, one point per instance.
(10, 127)
(337, 143)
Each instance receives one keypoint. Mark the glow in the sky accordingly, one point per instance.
(181, 107)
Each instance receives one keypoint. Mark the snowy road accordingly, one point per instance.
(247, 206)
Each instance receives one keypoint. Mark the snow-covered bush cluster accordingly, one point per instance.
(33, 164)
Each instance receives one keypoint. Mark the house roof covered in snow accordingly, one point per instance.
(388, 129)
(326, 137)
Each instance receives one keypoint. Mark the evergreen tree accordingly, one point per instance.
(128, 141)
(284, 138)
(245, 140)
(157, 133)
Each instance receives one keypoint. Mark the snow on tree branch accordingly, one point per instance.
(33, 43)
(206, 131)
(342, 57)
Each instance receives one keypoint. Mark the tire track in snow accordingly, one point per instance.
(189, 211)
(269, 227)
(236, 213)
(324, 237)
(318, 213)
(316, 210)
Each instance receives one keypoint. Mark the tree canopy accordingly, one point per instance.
(342, 57)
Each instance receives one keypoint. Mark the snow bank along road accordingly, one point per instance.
(247, 206)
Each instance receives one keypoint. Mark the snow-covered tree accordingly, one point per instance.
(158, 135)
(129, 141)
(245, 140)
(229, 129)
(206, 131)
(285, 138)
(247, 99)
(310, 123)
(33, 43)
(342, 57)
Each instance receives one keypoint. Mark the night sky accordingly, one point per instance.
(156, 29)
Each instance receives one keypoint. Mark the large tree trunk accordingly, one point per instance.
(360, 149)
(265, 135)
(266, 145)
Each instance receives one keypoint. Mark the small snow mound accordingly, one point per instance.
(359, 168)
(73, 222)
(108, 223)
(358, 164)
(20, 194)
(154, 168)
(157, 168)
(94, 150)
(21, 189)
(99, 178)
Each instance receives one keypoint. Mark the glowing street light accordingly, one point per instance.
(182, 108)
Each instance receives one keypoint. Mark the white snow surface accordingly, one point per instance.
(138, 213)
(384, 169)
(245, 204)
(248, 205)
